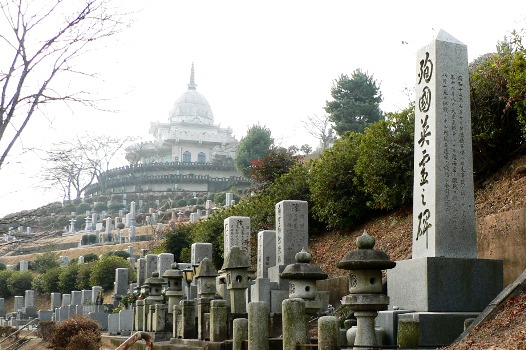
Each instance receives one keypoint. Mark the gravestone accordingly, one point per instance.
(2, 307)
(266, 258)
(24, 265)
(236, 233)
(113, 324)
(141, 271)
(108, 227)
(18, 303)
(121, 282)
(151, 265)
(229, 197)
(56, 300)
(64, 260)
(29, 298)
(444, 275)
(164, 262)
(94, 219)
(126, 321)
(292, 227)
(66, 299)
(87, 297)
(87, 223)
(199, 251)
(291, 236)
(45, 315)
(81, 259)
(266, 255)
(76, 297)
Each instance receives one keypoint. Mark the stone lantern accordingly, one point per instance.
(236, 267)
(365, 287)
(155, 286)
(205, 277)
(174, 291)
(302, 278)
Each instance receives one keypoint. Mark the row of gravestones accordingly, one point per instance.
(444, 283)
(276, 250)
(85, 302)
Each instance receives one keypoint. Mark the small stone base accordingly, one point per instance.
(388, 321)
(444, 284)
(430, 329)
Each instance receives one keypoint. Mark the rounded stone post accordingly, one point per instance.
(218, 321)
(239, 333)
(328, 333)
(294, 325)
(258, 313)
(366, 334)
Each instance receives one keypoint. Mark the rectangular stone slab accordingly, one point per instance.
(444, 284)
(435, 328)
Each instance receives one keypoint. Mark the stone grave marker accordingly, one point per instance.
(141, 271)
(164, 262)
(2, 307)
(87, 297)
(151, 265)
(121, 281)
(199, 251)
(236, 233)
(18, 303)
(56, 300)
(228, 199)
(292, 228)
(24, 265)
(95, 291)
(76, 297)
(266, 256)
(29, 298)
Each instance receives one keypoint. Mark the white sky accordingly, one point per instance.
(270, 62)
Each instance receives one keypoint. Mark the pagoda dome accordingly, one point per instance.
(192, 106)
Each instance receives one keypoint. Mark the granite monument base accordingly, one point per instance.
(438, 284)
(434, 329)
(388, 321)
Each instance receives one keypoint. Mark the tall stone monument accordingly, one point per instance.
(444, 283)
(443, 201)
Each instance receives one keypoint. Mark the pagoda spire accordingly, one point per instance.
(191, 85)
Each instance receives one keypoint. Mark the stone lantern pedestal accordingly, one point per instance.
(365, 287)
(302, 277)
(205, 279)
(236, 267)
(174, 291)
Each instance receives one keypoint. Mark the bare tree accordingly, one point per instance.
(321, 128)
(75, 165)
(41, 42)
(66, 168)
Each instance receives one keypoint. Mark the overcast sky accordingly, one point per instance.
(270, 62)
